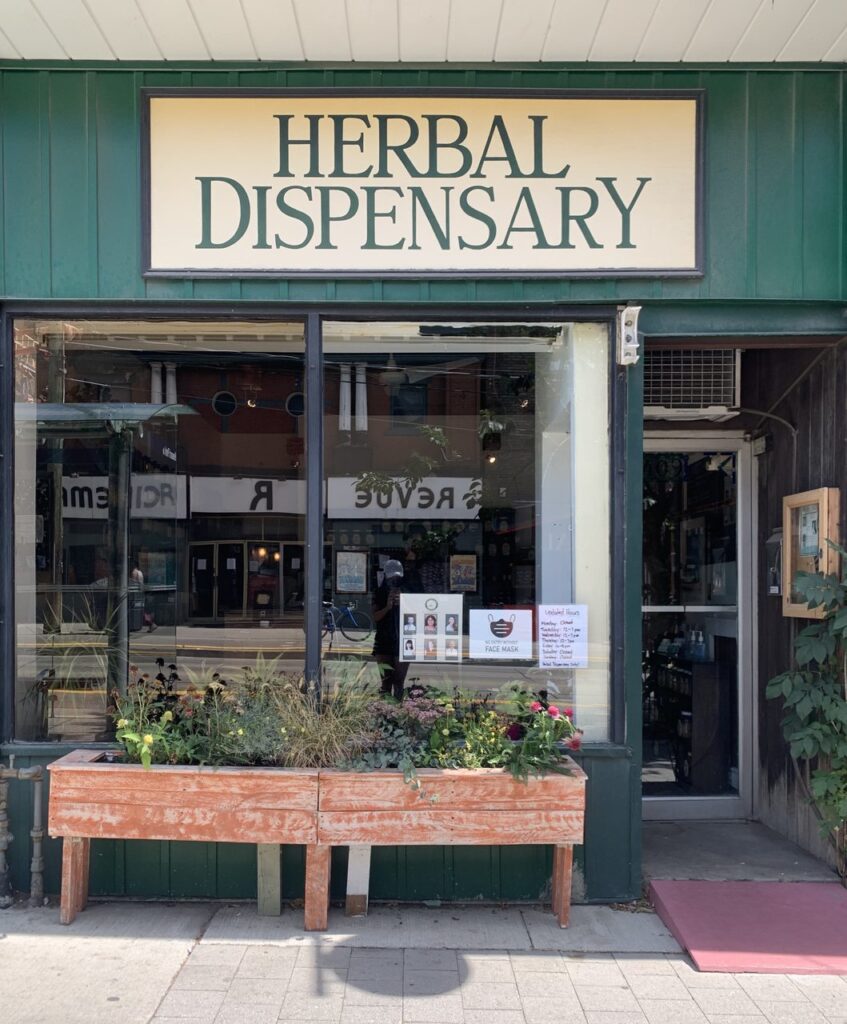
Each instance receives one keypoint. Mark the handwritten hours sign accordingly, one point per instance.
(563, 636)
(324, 185)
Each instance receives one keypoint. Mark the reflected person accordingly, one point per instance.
(386, 616)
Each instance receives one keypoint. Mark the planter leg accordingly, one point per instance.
(358, 881)
(269, 879)
(75, 859)
(562, 869)
(317, 887)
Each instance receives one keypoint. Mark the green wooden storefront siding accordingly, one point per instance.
(632, 639)
(171, 870)
(774, 183)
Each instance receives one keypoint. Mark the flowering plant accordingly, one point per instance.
(268, 718)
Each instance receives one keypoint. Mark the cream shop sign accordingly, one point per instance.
(424, 184)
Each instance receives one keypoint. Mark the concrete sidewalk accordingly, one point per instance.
(213, 964)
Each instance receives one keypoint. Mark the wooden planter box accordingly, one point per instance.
(485, 807)
(91, 799)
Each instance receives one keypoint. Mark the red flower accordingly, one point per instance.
(553, 711)
(568, 712)
(574, 743)
(516, 731)
(536, 705)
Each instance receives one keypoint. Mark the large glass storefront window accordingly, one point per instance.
(160, 503)
(159, 499)
(467, 508)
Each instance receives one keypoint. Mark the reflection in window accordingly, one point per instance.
(159, 491)
(467, 476)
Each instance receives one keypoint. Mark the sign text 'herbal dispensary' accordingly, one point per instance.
(465, 185)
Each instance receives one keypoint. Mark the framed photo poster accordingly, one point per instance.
(463, 574)
(351, 572)
(809, 520)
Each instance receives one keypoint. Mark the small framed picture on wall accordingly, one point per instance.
(809, 529)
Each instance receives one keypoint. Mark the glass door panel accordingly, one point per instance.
(263, 581)
(202, 591)
(229, 579)
(690, 649)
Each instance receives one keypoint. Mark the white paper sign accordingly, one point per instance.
(563, 635)
(503, 634)
(431, 627)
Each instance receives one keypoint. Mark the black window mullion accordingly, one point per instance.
(7, 531)
(314, 497)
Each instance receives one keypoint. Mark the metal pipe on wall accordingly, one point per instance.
(34, 775)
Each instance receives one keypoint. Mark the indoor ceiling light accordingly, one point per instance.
(392, 375)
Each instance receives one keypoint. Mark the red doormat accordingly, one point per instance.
(758, 927)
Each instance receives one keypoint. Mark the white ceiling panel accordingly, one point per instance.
(273, 29)
(723, 25)
(27, 31)
(174, 29)
(7, 50)
(523, 28)
(770, 30)
(423, 29)
(823, 24)
(838, 50)
(573, 26)
(374, 33)
(224, 29)
(621, 29)
(323, 29)
(670, 29)
(460, 31)
(474, 26)
(125, 29)
(73, 26)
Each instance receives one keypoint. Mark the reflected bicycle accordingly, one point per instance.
(351, 622)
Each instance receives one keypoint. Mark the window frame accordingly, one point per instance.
(313, 318)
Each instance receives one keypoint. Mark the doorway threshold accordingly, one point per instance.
(725, 851)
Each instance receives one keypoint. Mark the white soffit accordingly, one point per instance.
(460, 31)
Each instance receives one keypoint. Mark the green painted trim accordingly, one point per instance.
(606, 751)
(703, 318)
(411, 68)
(632, 615)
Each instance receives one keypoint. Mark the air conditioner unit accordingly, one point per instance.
(692, 384)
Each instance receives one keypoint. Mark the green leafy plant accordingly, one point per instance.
(814, 696)
(417, 466)
(267, 718)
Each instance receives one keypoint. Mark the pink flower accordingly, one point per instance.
(574, 743)
(553, 711)
(536, 705)
(568, 712)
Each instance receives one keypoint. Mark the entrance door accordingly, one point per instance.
(202, 591)
(696, 616)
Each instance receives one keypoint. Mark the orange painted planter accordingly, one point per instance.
(91, 799)
(485, 807)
